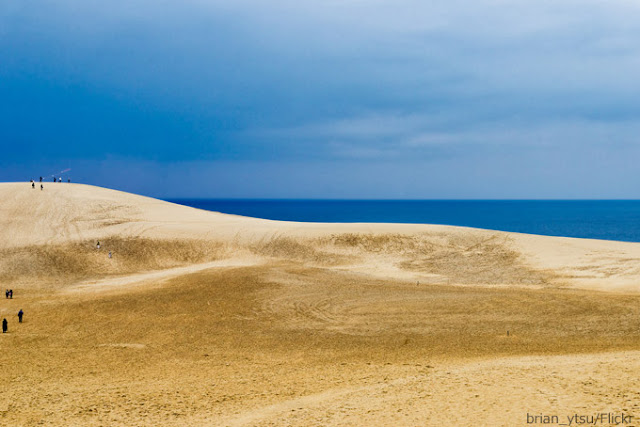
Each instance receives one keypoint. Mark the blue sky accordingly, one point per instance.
(334, 99)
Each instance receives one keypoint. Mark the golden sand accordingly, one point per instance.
(201, 318)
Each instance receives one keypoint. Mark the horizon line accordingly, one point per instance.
(393, 200)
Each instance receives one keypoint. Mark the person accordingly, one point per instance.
(41, 187)
(33, 185)
(40, 179)
(109, 254)
(10, 293)
(4, 326)
(69, 180)
(59, 179)
(6, 293)
(20, 314)
(98, 245)
(54, 179)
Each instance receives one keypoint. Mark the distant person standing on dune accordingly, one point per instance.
(40, 179)
(4, 326)
(33, 185)
(41, 187)
(20, 314)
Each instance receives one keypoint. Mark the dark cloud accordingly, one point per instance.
(448, 84)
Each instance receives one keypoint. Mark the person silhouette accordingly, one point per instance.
(20, 314)
(4, 326)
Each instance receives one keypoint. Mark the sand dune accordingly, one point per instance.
(202, 318)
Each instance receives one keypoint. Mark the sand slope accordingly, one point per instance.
(65, 213)
(201, 318)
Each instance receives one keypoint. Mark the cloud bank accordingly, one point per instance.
(487, 99)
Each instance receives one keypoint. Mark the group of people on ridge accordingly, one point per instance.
(33, 183)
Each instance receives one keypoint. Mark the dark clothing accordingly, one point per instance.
(4, 326)
(20, 314)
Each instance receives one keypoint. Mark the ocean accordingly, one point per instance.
(593, 219)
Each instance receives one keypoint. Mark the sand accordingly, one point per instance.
(202, 318)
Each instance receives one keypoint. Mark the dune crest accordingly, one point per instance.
(53, 232)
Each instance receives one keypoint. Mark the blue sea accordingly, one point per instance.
(601, 219)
